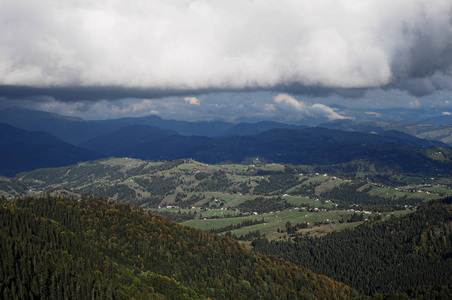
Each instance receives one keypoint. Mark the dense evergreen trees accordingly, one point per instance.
(218, 181)
(410, 254)
(158, 185)
(237, 226)
(57, 248)
(357, 193)
(276, 183)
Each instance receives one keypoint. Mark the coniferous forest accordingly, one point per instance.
(62, 248)
(409, 256)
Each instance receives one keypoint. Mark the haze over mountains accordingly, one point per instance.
(76, 130)
(22, 150)
(68, 140)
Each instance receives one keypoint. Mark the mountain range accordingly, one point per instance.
(76, 130)
(22, 150)
(153, 138)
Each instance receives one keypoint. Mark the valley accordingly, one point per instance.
(213, 197)
(351, 223)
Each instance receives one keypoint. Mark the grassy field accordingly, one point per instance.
(439, 189)
(385, 192)
(276, 222)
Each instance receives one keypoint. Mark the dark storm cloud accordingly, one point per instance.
(153, 47)
(201, 59)
(90, 93)
(95, 93)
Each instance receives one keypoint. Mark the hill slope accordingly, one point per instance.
(126, 140)
(22, 150)
(57, 248)
(412, 253)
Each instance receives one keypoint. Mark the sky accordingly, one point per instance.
(215, 59)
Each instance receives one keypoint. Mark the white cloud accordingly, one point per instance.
(192, 100)
(302, 110)
(415, 103)
(290, 101)
(198, 44)
(269, 107)
(144, 105)
(327, 112)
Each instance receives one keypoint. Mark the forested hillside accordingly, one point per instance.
(56, 248)
(409, 255)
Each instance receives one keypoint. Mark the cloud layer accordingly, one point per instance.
(235, 44)
(303, 110)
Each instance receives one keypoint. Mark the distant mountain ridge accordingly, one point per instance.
(220, 142)
(310, 146)
(118, 142)
(76, 130)
(350, 125)
(321, 146)
(437, 129)
(256, 128)
(22, 150)
(441, 120)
